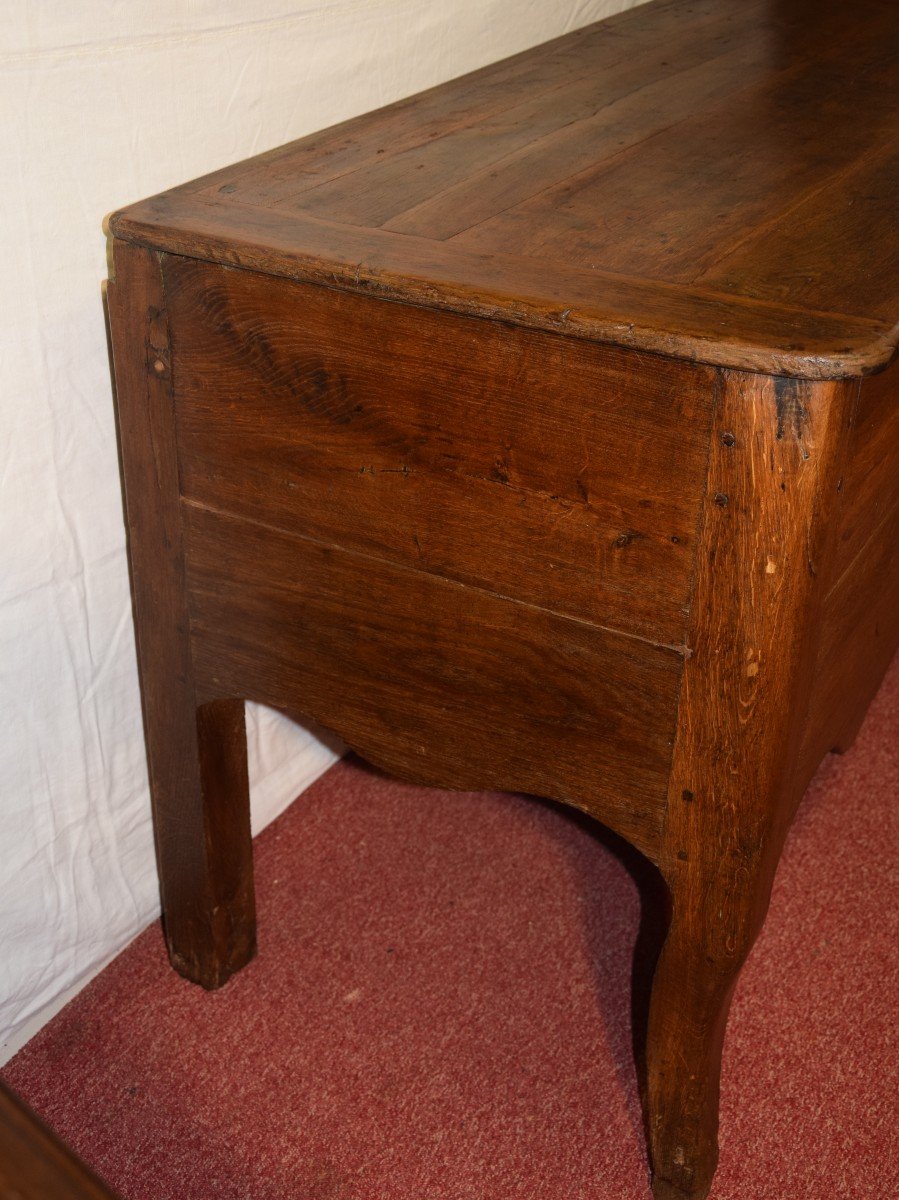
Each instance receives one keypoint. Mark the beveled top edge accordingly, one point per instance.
(674, 321)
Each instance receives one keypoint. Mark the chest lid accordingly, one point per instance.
(698, 178)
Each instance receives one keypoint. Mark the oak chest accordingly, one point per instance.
(537, 432)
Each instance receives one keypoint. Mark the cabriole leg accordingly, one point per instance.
(767, 522)
(715, 915)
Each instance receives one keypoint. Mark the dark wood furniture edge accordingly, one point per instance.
(647, 315)
(469, 766)
(35, 1164)
(196, 753)
(764, 561)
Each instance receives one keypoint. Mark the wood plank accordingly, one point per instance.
(870, 488)
(696, 325)
(490, 455)
(671, 204)
(482, 95)
(432, 680)
(703, 67)
(792, 257)
(859, 632)
(858, 640)
(545, 135)
(604, 185)
(768, 523)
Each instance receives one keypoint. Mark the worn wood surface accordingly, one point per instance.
(858, 632)
(656, 180)
(529, 448)
(196, 758)
(34, 1163)
(434, 681)
(316, 412)
(777, 453)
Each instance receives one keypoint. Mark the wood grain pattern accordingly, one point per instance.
(196, 757)
(701, 72)
(486, 454)
(450, 183)
(870, 489)
(595, 52)
(655, 180)
(728, 165)
(859, 627)
(34, 1163)
(776, 460)
(842, 219)
(673, 320)
(436, 682)
(527, 447)
(858, 639)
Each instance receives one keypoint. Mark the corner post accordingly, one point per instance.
(772, 489)
(196, 754)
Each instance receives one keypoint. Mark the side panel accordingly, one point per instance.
(542, 468)
(860, 618)
(433, 680)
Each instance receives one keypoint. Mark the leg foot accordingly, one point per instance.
(849, 733)
(683, 1058)
(663, 1190)
(205, 853)
(715, 916)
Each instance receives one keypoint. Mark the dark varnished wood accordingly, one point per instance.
(728, 170)
(776, 455)
(858, 633)
(658, 178)
(196, 755)
(314, 412)
(437, 682)
(34, 1163)
(452, 184)
(525, 433)
(694, 324)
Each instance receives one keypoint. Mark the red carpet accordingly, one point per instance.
(441, 1011)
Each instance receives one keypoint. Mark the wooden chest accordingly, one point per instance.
(537, 432)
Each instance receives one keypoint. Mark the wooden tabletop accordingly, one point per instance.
(710, 179)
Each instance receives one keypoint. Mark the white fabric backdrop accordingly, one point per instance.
(103, 102)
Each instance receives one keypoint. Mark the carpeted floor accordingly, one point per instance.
(440, 1010)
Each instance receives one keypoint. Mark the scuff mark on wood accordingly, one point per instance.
(625, 538)
(791, 411)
